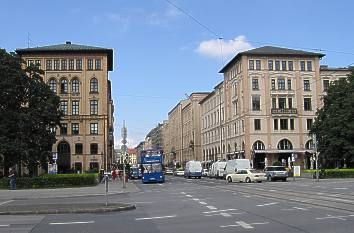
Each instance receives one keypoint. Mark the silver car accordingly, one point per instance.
(276, 173)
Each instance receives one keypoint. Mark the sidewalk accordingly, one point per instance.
(10, 200)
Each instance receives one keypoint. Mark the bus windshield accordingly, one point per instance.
(152, 168)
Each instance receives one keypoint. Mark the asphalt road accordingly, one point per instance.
(208, 205)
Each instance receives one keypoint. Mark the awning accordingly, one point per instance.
(278, 151)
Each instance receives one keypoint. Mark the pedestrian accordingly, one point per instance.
(114, 174)
(12, 176)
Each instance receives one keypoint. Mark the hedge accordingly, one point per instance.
(53, 181)
(335, 173)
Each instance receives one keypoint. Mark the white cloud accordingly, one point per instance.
(213, 48)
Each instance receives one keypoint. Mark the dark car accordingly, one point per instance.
(276, 173)
(135, 173)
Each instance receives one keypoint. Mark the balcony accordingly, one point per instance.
(285, 111)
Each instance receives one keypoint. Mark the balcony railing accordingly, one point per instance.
(284, 111)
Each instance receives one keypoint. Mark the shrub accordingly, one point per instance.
(335, 173)
(53, 181)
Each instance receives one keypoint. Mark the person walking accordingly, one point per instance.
(114, 174)
(12, 176)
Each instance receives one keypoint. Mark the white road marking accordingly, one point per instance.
(160, 217)
(189, 196)
(211, 207)
(245, 225)
(216, 211)
(144, 202)
(340, 188)
(336, 217)
(7, 225)
(5, 202)
(183, 193)
(68, 223)
(273, 203)
(271, 190)
(225, 214)
(195, 199)
(202, 203)
(296, 208)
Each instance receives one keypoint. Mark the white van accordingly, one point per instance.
(217, 169)
(236, 164)
(193, 169)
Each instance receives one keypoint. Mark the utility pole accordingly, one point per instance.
(316, 156)
(124, 151)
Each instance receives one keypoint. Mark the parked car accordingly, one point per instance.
(193, 169)
(276, 173)
(179, 172)
(169, 172)
(236, 164)
(246, 175)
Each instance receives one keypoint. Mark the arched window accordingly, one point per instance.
(285, 144)
(64, 86)
(94, 85)
(258, 145)
(75, 84)
(228, 148)
(309, 145)
(53, 85)
(235, 146)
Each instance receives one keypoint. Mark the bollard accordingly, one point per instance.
(106, 187)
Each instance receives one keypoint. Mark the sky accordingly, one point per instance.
(164, 50)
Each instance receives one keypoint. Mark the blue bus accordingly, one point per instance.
(151, 166)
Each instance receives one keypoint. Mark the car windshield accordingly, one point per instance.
(254, 171)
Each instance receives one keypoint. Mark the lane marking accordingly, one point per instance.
(189, 195)
(202, 203)
(160, 217)
(5, 202)
(336, 217)
(183, 193)
(7, 225)
(225, 214)
(216, 211)
(143, 202)
(272, 203)
(340, 188)
(211, 207)
(195, 199)
(68, 223)
(245, 225)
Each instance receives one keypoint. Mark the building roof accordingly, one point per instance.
(68, 47)
(326, 68)
(273, 51)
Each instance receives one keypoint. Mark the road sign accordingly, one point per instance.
(55, 155)
(296, 171)
(124, 147)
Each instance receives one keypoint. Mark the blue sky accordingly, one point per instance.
(161, 54)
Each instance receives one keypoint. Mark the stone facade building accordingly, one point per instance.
(78, 74)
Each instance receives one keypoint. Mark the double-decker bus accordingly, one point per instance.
(151, 162)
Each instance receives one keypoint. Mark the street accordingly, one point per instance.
(206, 205)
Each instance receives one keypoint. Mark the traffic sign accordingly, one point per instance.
(124, 147)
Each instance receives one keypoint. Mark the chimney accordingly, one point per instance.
(68, 42)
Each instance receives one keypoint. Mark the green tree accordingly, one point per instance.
(29, 110)
(334, 123)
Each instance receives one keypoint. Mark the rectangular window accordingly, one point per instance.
(309, 124)
(281, 84)
(273, 84)
(270, 65)
(48, 65)
(64, 107)
(30, 63)
(56, 64)
(90, 64)
(309, 66)
(78, 64)
(93, 148)
(98, 64)
(277, 65)
(292, 124)
(302, 65)
(38, 64)
(283, 124)
(290, 103)
(75, 107)
(325, 85)
(94, 128)
(256, 103)
(78, 149)
(274, 103)
(63, 129)
(75, 128)
(93, 107)
(257, 124)
(255, 85)
(283, 65)
(251, 64)
(71, 64)
(290, 65)
(289, 84)
(258, 64)
(307, 104)
(282, 103)
(275, 124)
(307, 85)
(64, 64)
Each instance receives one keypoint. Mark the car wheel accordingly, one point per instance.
(229, 179)
(248, 180)
(284, 179)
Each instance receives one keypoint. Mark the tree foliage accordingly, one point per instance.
(28, 111)
(334, 123)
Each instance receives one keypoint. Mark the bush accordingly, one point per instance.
(53, 181)
(335, 173)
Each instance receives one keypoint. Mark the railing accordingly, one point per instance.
(284, 111)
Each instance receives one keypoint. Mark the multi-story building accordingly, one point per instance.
(78, 74)
(271, 97)
(212, 121)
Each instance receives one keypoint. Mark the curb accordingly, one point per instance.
(103, 209)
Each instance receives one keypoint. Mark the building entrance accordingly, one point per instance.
(258, 161)
(63, 161)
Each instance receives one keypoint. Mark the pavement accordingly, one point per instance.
(21, 201)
